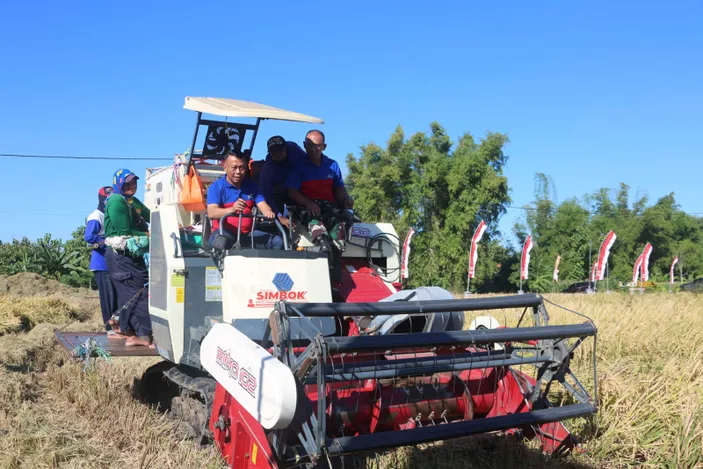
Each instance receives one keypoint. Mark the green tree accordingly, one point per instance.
(440, 190)
(569, 228)
(67, 261)
(82, 277)
(18, 256)
(55, 261)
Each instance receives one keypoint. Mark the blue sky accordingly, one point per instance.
(591, 93)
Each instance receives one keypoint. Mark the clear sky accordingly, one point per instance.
(591, 93)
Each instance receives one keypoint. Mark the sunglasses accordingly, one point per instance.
(310, 143)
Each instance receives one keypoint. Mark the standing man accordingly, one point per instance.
(95, 237)
(317, 184)
(234, 193)
(281, 158)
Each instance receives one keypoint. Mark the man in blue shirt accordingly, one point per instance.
(234, 193)
(95, 237)
(317, 184)
(282, 157)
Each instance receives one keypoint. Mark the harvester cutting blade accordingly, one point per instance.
(386, 391)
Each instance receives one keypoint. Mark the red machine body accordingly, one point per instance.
(372, 407)
(385, 405)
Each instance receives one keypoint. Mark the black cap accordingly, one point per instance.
(276, 142)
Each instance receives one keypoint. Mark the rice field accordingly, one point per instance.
(650, 396)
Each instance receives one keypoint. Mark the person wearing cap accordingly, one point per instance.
(281, 158)
(126, 235)
(95, 237)
(234, 193)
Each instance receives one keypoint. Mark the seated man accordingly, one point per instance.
(317, 185)
(233, 193)
(281, 157)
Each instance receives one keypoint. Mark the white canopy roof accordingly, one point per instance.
(236, 108)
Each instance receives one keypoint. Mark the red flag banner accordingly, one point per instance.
(473, 254)
(636, 270)
(603, 254)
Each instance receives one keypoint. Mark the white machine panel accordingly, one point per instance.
(252, 285)
(264, 386)
(386, 245)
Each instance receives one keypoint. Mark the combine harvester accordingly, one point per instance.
(262, 357)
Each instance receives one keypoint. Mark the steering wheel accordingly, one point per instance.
(255, 216)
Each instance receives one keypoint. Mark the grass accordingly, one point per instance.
(63, 418)
(650, 390)
(650, 372)
(21, 314)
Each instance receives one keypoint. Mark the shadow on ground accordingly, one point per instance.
(489, 451)
(478, 452)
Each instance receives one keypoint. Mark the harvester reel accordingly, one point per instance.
(380, 391)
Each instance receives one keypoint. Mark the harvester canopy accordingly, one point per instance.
(237, 108)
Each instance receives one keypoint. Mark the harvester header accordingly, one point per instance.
(372, 393)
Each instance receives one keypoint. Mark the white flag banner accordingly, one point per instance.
(405, 268)
(525, 262)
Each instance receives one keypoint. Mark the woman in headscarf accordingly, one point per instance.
(126, 234)
(95, 237)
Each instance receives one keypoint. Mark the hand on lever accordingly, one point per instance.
(239, 206)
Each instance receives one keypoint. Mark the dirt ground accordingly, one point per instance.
(30, 284)
(52, 414)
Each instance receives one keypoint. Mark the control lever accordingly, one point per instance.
(238, 244)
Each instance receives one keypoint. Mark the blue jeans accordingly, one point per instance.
(262, 240)
(108, 297)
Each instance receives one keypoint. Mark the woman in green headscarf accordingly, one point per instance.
(126, 235)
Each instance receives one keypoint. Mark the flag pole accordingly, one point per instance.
(590, 267)
(607, 277)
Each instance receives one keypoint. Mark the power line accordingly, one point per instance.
(35, 214)
(73, 157)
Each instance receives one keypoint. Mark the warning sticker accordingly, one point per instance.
(180, 294)
(254, 451)
(213, 284)
(178, 280)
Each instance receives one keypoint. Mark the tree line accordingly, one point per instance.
(443, 190)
